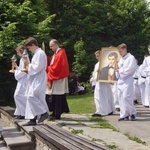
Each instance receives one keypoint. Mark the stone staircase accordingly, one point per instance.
(40, 137)
(2, 144)
(16, 140)
(14, 136)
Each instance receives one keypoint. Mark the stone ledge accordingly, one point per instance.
(16, 140)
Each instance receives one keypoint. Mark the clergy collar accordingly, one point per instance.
(57, 50)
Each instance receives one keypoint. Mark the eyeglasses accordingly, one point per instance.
(52, 45)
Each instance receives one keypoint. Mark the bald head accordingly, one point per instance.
(54, 45)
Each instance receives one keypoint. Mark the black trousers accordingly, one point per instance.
(57, 104)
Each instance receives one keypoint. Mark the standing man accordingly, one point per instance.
(36, 104)
(103, 96)
(136, 87)
(58, 72)
(126, 68)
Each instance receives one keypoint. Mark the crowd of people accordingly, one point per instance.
(131, 87)
(42, 84)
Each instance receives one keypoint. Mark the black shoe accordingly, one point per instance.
(43, 117)
(96, 115)
(57, 117)
(52, 114)
(146, 106)
(123, 119)
(110, 113)
(16, 117)
(117, 109)
(136, 102)
(54, 117)
(132, 117)
(30, 123)
(19, 117)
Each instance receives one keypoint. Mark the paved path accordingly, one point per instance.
(108, 137)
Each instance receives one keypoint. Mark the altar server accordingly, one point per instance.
(103, 96)
(145, 73)
(126, 68)
(36, 103)
(21, 77)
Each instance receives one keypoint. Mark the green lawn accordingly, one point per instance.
(81, 104)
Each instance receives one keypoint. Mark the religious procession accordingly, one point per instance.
(42, 83)
(63, 58)
(121, 84)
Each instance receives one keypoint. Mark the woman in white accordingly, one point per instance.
(21, 77)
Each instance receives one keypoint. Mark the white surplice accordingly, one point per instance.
(141, 83)
(145, 73)
(103, 96)
(114, 87)
(19, 95)
(136, 87)
(60, 87)
(127, 67)
(36, 103)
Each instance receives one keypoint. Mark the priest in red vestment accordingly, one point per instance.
(58, 72)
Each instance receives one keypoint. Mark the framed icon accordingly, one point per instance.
(109, 58)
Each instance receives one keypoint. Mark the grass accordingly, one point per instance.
(102, 123)
(77, 131)
(81, 104)
(111, 146)
(136, 139)
(84, 104)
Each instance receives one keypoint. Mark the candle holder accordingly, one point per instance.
(25, 55)
(13, 60)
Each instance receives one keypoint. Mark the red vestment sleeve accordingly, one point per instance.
(48, 62)
(60, 68)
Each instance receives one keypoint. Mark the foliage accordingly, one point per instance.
(19, 20)
(100, 24)
(81, 26)
(80, 62)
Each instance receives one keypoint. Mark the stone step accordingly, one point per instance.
(16, 140)
(3, 145)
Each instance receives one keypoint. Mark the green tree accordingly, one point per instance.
(100, 24)
(79, 64)
(19, 19)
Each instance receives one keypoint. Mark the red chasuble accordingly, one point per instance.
(60, 68)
